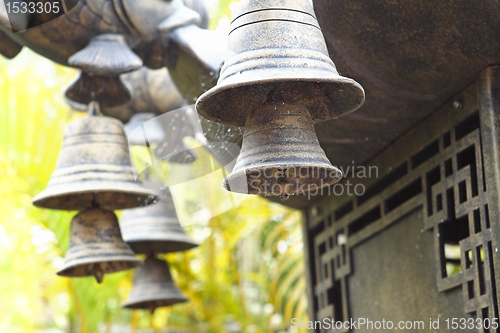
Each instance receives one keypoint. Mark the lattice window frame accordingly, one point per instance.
(330, 257)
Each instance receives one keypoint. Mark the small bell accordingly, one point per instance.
(106, 55)
(102, 61)
(177, 125)
(277, 67)
(96, 246)
(108, 91)
(93, 167)
(153, 134)
(155, 229)
(153, 287)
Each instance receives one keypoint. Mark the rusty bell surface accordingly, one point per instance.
(96, 246)
(277, 63)
(153, 287)
(93, 169)
(155, 229)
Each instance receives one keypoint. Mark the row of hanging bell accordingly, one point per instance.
(277, 81)
(96, 248)
(93, 175)
(152, 230)
(153, 91)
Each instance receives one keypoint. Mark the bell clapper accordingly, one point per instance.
(93, 108)
(98, 273)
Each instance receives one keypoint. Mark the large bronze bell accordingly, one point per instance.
(278, 81)
(155, 228)
(153, 287)
(93, 168)
(96, 246)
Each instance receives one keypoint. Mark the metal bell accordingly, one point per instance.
(277, 66)
(266, 167)
(93, 168)
(155, 229)
(152, 91)
(171, 149)
(153, 287)
(96, 246)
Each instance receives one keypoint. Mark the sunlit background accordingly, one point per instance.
(246, 276)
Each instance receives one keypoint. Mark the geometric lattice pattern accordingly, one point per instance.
(446, 180)
(334, 266)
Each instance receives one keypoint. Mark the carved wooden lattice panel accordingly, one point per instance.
(445, 179)
(456, 208)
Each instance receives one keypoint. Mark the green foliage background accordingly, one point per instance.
(246, 276)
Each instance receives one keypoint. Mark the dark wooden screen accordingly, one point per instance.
(422, 241)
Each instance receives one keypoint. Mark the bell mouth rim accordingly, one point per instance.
(138, 245)
(132, 262)
(208, 100)
(139, 303)
(56, 196)
(244, 174)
